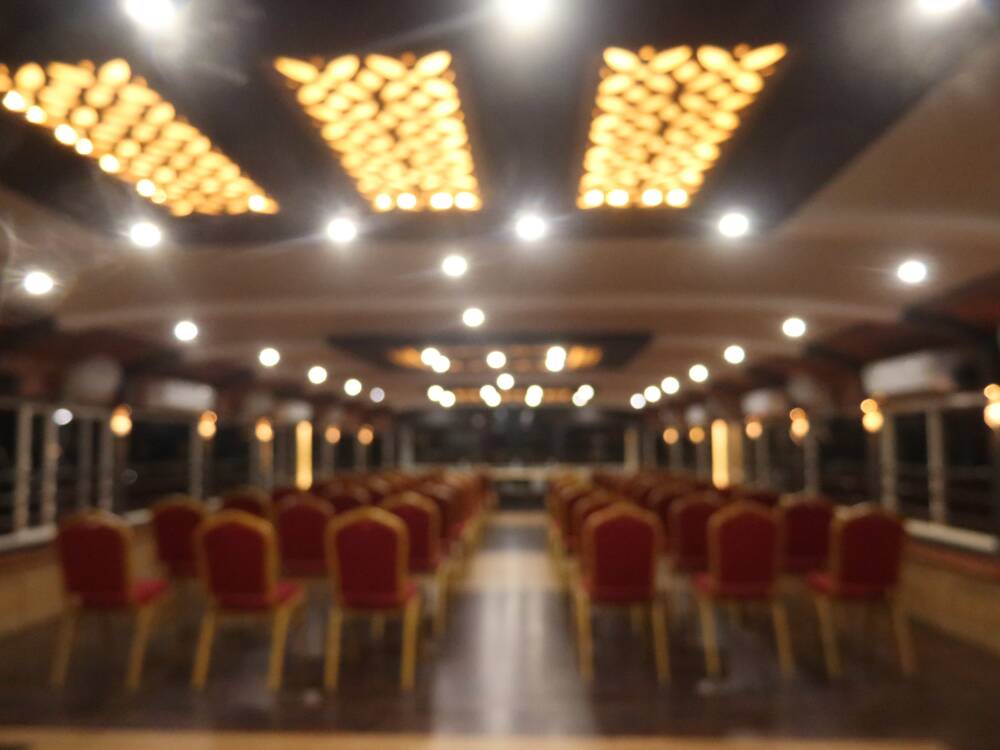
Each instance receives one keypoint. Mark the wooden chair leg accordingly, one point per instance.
(706, 613)
(411, 632)
(440, 599)
(904, 640)
(661, 644)
(64, 645)
(783, 638)
(584, 638)
(828, 634)
(279, 637)
(203, 651)
(331, 665)
(140, 640)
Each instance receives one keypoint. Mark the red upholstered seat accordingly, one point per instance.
(583, 509)
(239, 559)
(300, 522)
(174, 522)
(866, 547)
(618, 555)
(368, 556)
(280, 493)
(805, 527)
(768, 498)
(689, 517)
(423, 524)
(147, 590)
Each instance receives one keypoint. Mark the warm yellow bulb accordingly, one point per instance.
(383, 202)
(366, 435)
(754, 429)
(869, 405)
(442, 201)
(617, 198)
(332, 434)
(35, 114)
(406, 201)
(65, 134)
(146, 188)
(677, 197)
(263, 430)
(652, 197)
(121, 421)
(872, 421)
(593, 198)
(992, 392)
(991, 415)
(671, 435)
(696, 435)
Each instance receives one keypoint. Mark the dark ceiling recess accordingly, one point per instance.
(850, 73)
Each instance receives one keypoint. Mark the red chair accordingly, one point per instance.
(175, 519)
(768, 498)
(348, 498)
(97, 563)
(618, 569)
(300, 521)
(805, 534)
(423, 524)
(584, 509)
(743, 556)
(238, 564)
(866, 550)
(688, 527)
(248, 500)
(367, 552)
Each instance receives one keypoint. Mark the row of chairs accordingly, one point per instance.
(254, 564)
(733, 548)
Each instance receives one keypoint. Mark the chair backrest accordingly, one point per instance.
(619, 545)
(446, 499)
(367, 553)
(175, 519)
(743, 546)
(300, 521)
(237, 559)
(689, 516)
(95, 555)
(280, 493)
(378, 489)
(866, 548)
(423, 525)
(768, 498)
(348, 498)
(564, 499)
(584, 508)
(249, 500)
(805, 533)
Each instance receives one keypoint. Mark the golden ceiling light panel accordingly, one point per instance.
(107, 114)
(662, 117)
(396, 124)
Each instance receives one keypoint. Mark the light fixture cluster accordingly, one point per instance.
(872, 418)
(397, 125)
(433, 358)
(112, 116)
(441, 396)
(799, 424)
(660, 118)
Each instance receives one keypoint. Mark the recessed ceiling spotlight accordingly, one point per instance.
(317, 374)
(937, 7)
(496, 359)
(434, 392)
(555, 359)
(38, 283)
(637, 401)
(447, 399)
(533, 396)
(794, 328)
(454, 266)
(734, 224)
(429, 356)
(145, 234)
(698, 373)
(151, 14)
(62, 417)
(524, 15)
(652, 394)
(341, 230)
(352, 387)
(677, 197)
(734, 354)
(377, 395)
(505, 381)
(473, 317)
(531, 227)
(269, 356)
(670, 385)
(586, 391)
(441, 365)
(186, 330)
(912, 271)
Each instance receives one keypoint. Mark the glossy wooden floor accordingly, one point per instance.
(505, 669)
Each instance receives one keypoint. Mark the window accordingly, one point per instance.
(156, 463)
(911, 464)
(848, 461)
(968, 471)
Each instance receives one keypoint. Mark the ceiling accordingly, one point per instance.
(873, 142)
